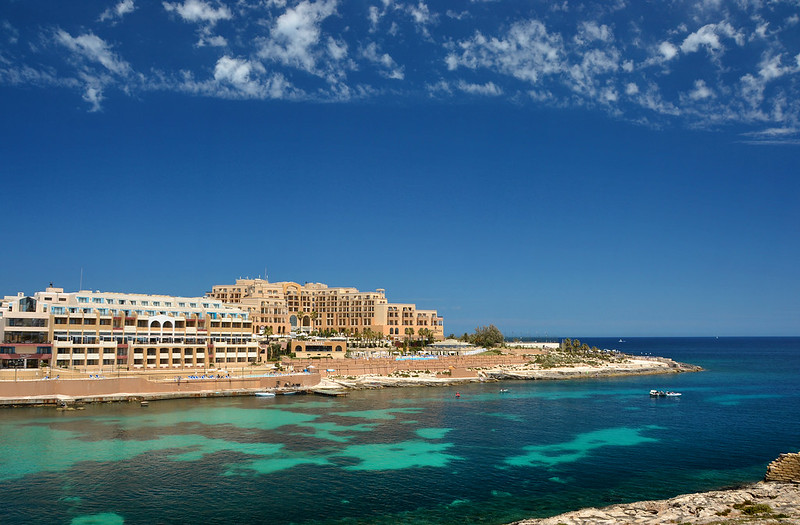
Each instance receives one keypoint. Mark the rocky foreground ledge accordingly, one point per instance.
(775, 500)
(762, 503)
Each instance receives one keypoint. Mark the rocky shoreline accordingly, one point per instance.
(761, 503)
(629, 366)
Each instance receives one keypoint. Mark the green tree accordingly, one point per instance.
(487, 336)
(409, 333)
(426, 334)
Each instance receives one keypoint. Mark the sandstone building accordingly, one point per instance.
(282, 307)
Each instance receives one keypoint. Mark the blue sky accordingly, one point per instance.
(576, 168)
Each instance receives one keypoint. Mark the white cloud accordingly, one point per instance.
(237, 72)
(199, 11)
(296, 33)
(457, 16)
(592, 31)
(700, 91)
(667, 50)
(118, 11)
(94, 49)
(236, 78)
(527, 52)
(337, 49)
(11, 32)
(374, 15)
(390, 67)
(442, 86)
(213, 41)
(773, 132)
(770, 68)
(631, 89)
(487, 89)
(709, 36)
(586, 77)
(94, 96)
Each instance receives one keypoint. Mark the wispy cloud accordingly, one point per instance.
(199, 11)
(91, 48)
(705, 64)
(118, 11)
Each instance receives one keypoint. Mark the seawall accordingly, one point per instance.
(61, 391)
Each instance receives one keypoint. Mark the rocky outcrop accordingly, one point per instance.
(786, 469)
(761, 503)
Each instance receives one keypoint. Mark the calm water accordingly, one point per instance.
(412, 455)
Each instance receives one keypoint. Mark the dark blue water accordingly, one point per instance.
(413, 455)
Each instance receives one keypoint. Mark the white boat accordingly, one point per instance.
(662, 393)
(265, 394)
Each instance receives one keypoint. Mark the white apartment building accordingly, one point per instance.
(96, 330)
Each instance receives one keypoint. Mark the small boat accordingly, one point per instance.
(265, 394)
(458, 395)
(662, 393)
(503, 390)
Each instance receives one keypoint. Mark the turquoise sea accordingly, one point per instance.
(412, 455)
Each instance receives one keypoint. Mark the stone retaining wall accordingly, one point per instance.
(384, 366)
(49, 390)
(786, 469)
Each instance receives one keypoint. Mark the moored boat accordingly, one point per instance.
(663, 393)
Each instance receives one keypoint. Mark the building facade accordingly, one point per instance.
(334, 348)
(279, 308)
(105, 330)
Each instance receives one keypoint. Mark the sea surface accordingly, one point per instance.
(412, 455)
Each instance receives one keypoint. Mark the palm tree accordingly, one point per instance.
(300, 313)
(409, 333)
(426, 334)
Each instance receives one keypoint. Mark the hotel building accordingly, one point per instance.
(96, 330)
(286, 306)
